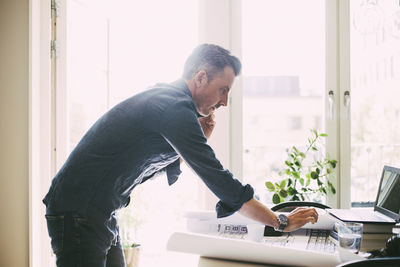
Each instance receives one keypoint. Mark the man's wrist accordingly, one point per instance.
(276, 222)
(282, 222)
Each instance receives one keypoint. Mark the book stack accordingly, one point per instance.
(374, 236)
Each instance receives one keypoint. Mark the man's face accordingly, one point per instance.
(210, 95)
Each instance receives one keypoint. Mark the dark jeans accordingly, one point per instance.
(76, 243)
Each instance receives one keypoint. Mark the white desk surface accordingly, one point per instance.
(209, 262)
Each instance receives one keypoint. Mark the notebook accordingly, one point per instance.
(387, 204)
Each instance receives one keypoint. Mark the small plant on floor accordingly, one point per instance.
(128, 245)
(304, 176)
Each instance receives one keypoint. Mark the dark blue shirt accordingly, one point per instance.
(139, 137)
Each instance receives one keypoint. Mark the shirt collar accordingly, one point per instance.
(181, 83)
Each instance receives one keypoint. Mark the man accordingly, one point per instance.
(145, 134)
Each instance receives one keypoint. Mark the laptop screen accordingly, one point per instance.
(388, 199)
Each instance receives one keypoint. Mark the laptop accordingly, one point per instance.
(387, 204)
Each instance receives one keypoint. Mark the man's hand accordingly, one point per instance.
(299, 217)
(259, 212)
(207, 124)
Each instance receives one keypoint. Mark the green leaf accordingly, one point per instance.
(283, 184)
(296, 175)
(288, 163)
(331, 187)
(283, 193)
(314, 148)
(270, 186)
(302, 181)
(287, 171)
(314, 175)
(333, 190)
(318, 171)
(302, 155)
(295, 198)
(315, 132)
(333, 163)
(328, 171)
(308, 181)
(308, 175)
(276, 199)
(291, 191)
(323, 135)
(290, 182)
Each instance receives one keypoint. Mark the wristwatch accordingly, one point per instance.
(283, 222)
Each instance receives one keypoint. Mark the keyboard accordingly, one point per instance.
(320, 241)
(310, 239)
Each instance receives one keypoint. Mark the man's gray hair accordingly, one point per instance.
(211, 58)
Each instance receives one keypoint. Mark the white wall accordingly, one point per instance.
(14, 133)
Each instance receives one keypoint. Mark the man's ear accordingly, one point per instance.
(201, 78)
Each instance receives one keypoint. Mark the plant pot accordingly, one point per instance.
(132, 256)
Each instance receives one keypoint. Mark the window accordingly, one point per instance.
(283, 54)
(375, 88)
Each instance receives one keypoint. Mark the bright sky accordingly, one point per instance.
(285, 37)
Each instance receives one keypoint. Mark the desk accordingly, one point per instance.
(242, 250)
(209, 262)
(177, 259)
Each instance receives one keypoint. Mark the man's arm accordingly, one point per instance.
(208, 125)
(180, 127)
(256, 210)
(297, 218)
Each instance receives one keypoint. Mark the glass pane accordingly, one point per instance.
(87, 68)
(283, 83)
(375, 84)
(115, 50)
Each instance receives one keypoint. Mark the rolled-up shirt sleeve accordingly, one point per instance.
(180, 127)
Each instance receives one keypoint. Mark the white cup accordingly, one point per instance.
(255, 232)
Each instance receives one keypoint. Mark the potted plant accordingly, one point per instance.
(129, 225)
(132, 254)
(305, 174)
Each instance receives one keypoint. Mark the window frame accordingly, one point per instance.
(40, 129)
